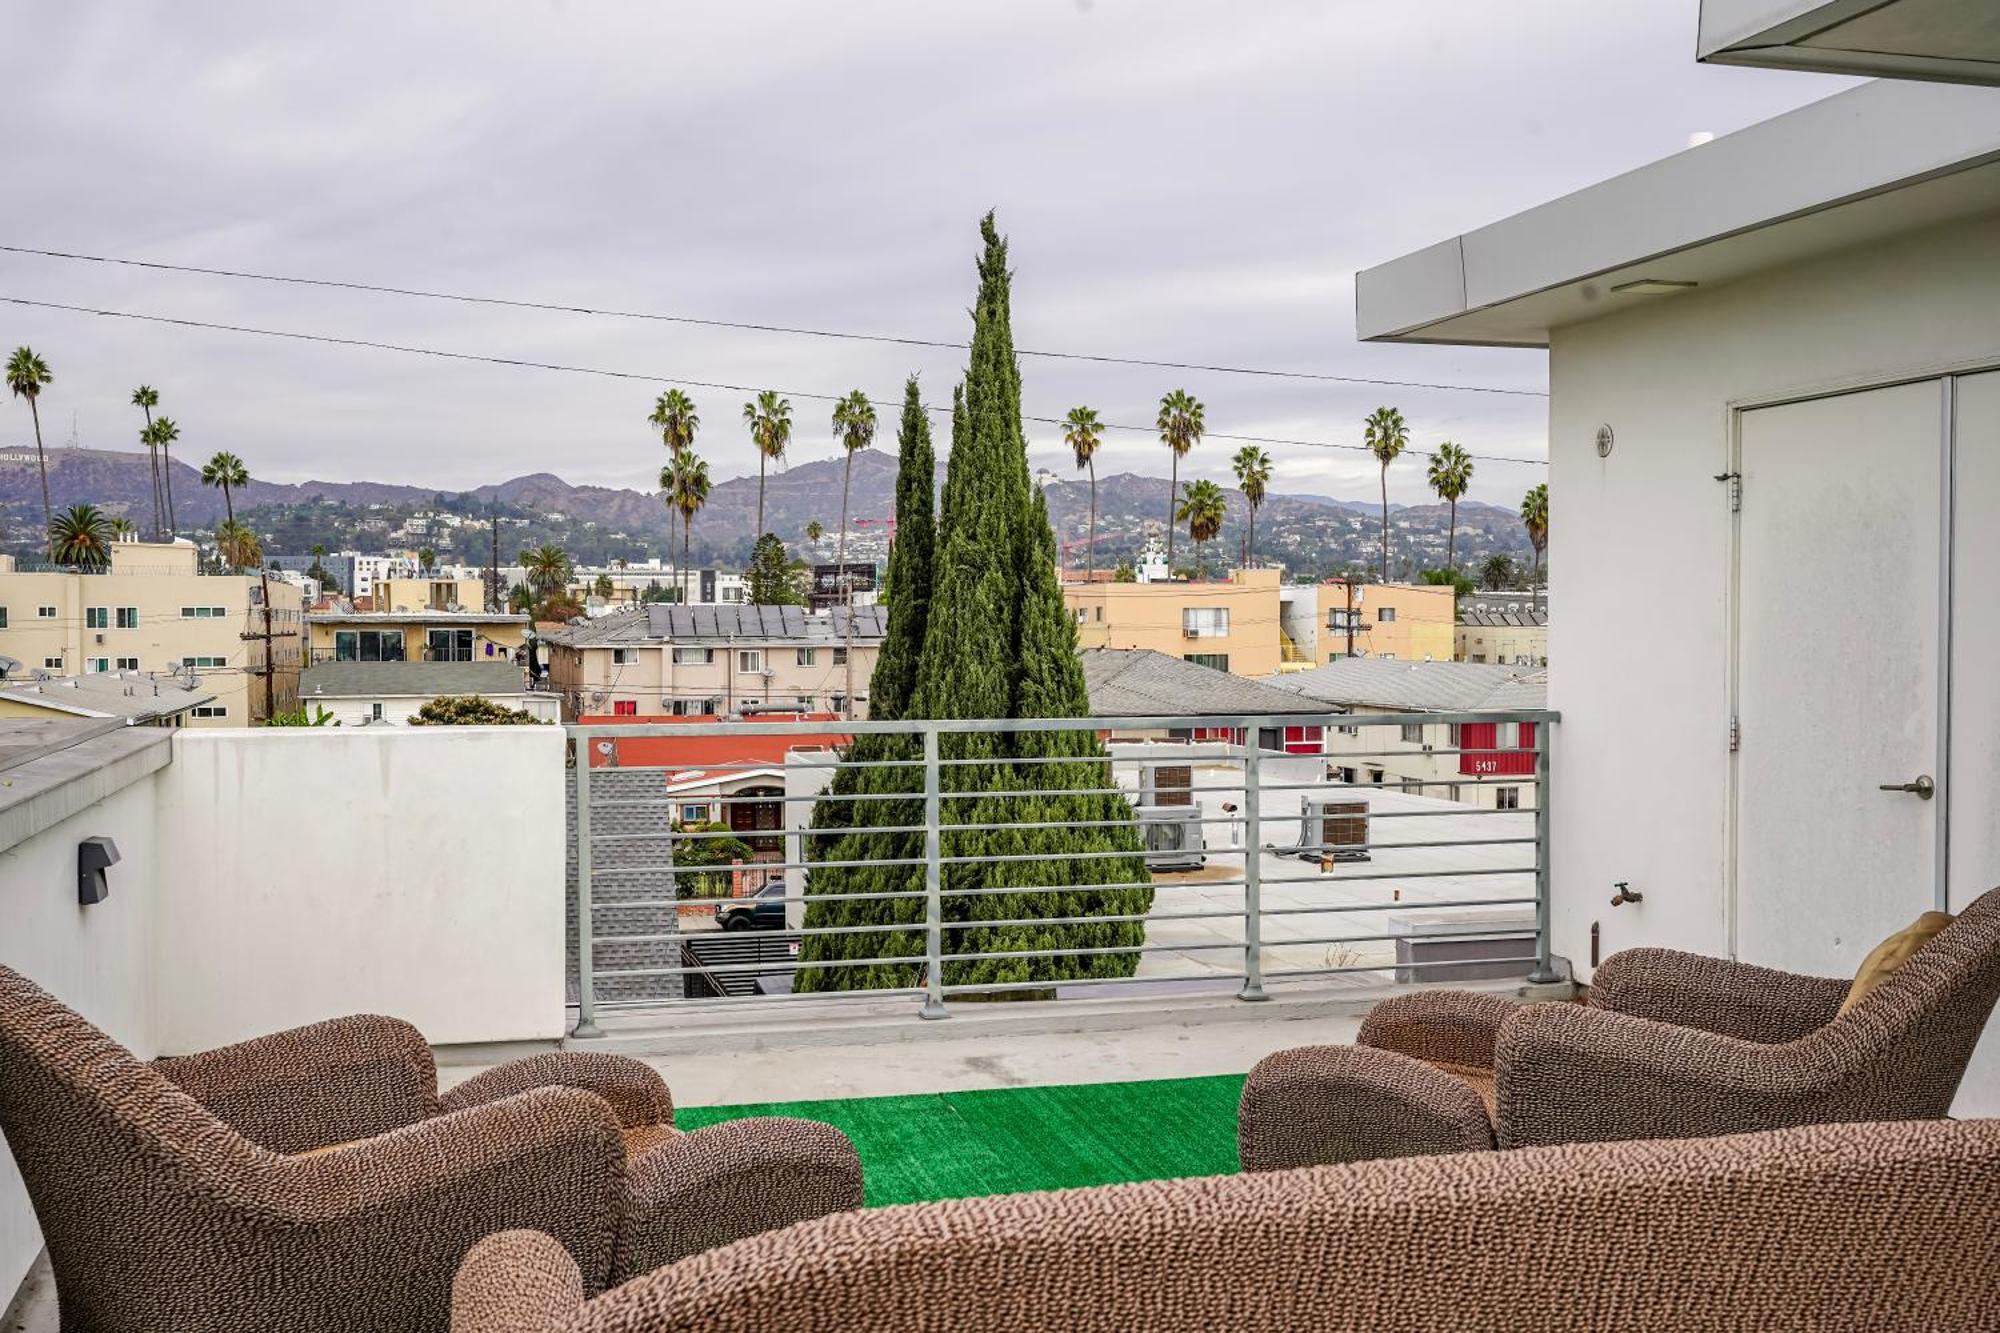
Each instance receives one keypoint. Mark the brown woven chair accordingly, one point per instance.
(1670, 1045)
(1889, 1228)
(315, 1181)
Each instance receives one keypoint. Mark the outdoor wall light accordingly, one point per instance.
(1652, 286)
(93, 857)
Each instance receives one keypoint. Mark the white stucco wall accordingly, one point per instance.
(1641, 761)
(408, 871)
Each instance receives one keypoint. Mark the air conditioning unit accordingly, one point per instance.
(1172, 837)
(1332, 828)
(1166, 784)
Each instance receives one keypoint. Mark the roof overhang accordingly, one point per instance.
(1874, 162)
(1953, 41)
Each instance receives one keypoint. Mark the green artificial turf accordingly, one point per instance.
(954, 1145)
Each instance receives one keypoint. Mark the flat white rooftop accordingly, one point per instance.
(1952, 40)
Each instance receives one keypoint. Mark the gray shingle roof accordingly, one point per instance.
(1424, 687)
(331, 680)
(1138, 682)
(662, 623)
(1498, 619)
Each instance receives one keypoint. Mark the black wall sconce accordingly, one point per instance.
(93, 857)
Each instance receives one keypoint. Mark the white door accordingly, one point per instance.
(1837, 673)
(1975, 642)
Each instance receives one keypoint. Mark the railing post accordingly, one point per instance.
(1253, 873)
(586, 980)
(1545, 971)
(933, 883)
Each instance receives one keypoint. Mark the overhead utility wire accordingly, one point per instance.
(567, 309)
(524, 363)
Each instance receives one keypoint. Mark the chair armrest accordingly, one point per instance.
(1715, 994)
(1320, 1105)
(331, 1082)
(1569, 1073)
(1450, 1026)
(516, 1282)
(729, 1181)
(635, 1089)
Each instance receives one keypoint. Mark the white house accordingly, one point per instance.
(1774, 365)
(360, 694)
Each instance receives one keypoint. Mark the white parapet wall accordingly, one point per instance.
(408, 871)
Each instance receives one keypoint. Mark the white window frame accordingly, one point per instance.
(1205, 622)
(126, 617)
(204, 661)
(687, 657)
(45, 613)
(1413, 733)
(1507, 798)
(750, 661)
(210, 710)
(624, 657)
(127, 663)
(808, 657)
(52, 664)
(695, 812)
(96, 665)
(97, 617)
(1385, 615)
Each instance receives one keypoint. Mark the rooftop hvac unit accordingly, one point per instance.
(1166, 784)
(1172, 836)
(1332, 827)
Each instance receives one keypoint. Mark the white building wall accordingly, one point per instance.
(400, 708)
(1641, 773)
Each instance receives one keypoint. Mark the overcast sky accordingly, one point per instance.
(1187, 181)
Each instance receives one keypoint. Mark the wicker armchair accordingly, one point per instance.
(1890, 1228)
(1670, 1045)
(316, 1180)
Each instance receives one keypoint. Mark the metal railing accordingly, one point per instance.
(1252, 865)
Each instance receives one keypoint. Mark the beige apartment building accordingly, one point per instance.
(1405, 622)
(715, 661)
(432, 592)
(1230, 624)
(416, 634)
(154, 613)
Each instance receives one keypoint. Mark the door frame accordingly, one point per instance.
(1947, 376)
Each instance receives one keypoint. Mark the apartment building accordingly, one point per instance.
(1488, 764)
(428, 592)
(1405, 622)
(1510, 638)
(632, 580)
(361, 694)
(416, 634)
(702, 661)
(152, 612)
(1229, 624)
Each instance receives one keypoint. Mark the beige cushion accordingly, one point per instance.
(1883, 960)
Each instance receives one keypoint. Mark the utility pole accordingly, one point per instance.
(1348, 583)
(493, 569)
(270, 668)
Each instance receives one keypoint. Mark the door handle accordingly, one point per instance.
(1923, 788)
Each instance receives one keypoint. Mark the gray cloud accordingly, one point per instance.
(1182, 180)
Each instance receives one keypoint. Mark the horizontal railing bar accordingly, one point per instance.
(682, 1003)
(1400, 874)
(1488, 933)
(1392, 966)
(1222, 981)
(1117, 886)
(1450, 780)
(1013, 725)
(1398, 906)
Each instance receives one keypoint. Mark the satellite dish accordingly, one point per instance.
(8, 666)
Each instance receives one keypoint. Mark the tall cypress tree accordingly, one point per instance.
(997, 642)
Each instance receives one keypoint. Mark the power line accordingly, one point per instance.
(601, 372)
(747, 326)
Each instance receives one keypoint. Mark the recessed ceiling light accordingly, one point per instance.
(1653, 286)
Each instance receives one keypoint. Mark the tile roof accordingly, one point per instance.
(1424, 687)
(107, 694)
(661, 623)
(330, 680)
(1138, 682)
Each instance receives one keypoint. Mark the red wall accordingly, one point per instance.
(1479, 757)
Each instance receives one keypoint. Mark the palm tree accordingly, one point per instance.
(426, 559)
(1386, 435)
(123, 528)
(814, 532)
(1497, 572)
(227, 471)
(1202, 508)
(146, 398)
(26, 374)
(1180, 426)
(854, 423)
(1083, 433)
(1451, 477)
(1253, 475)
(238, 545)
(687, 491)
(1535, 515)
(770, 420)
(674, 414)
(165, 432)
(547, 568)
(80, 535)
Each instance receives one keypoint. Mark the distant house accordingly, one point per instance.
(360, 694)
(1138, 683)
(141, 699)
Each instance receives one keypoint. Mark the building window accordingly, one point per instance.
(1386, 657)
(128, 617)
(807, 656)
(448, 645)
(210, 710)
(3, 617)
(838, 703)
(1205, 622)
(1457, 741)
(368, 645)
(624, 657)
(52, 664)
(97, 664)
(840, 657)
(204, 612)
(694, 656)
(1098, 613)
(1413, 733)
(97, 617)
(1220, 661)
(750, 661)
(1506, 798)
(1346, 776)
(1385, 615)
(694, 814)
(128, 664)
(1082, 614)
(45, 613)
(624, 708)
(375, 712)
(1375, 776)
(203, 662)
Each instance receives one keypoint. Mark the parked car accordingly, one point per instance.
(763, 910)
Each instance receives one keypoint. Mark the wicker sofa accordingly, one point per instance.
(317, 1180)
(1882, 1227)
(1669, 1045)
